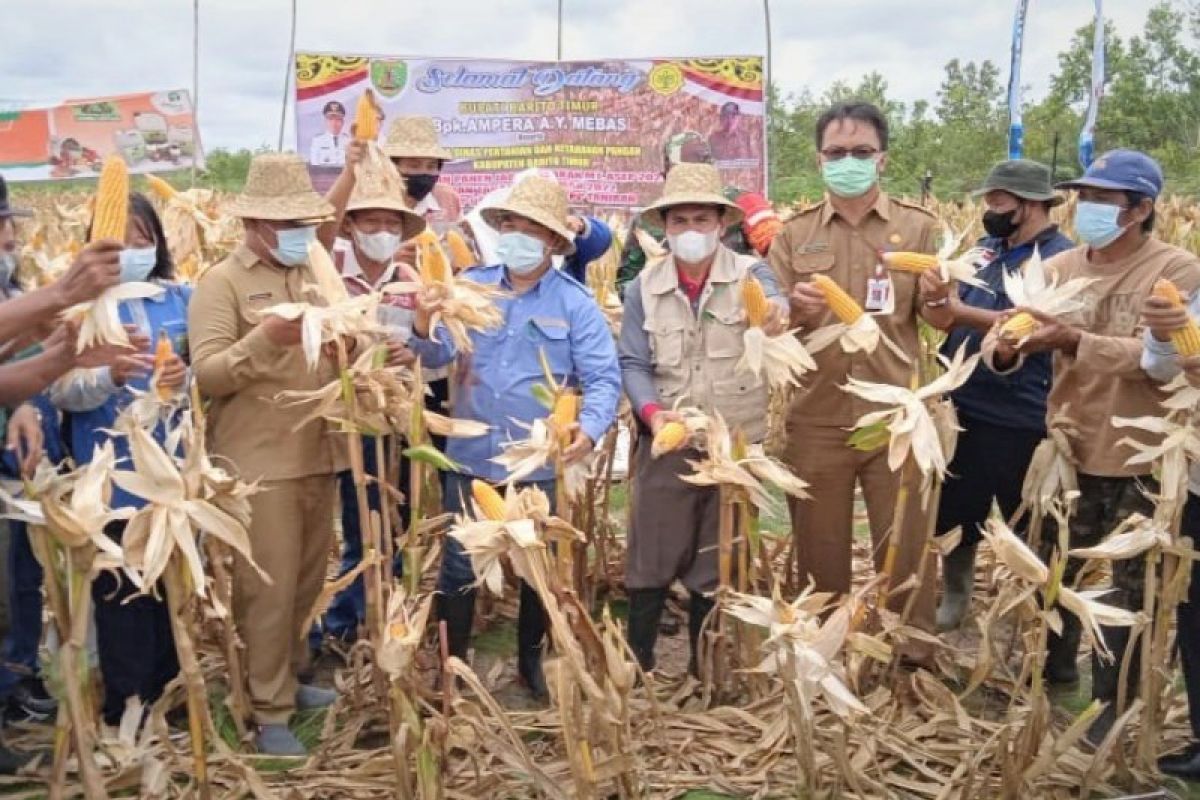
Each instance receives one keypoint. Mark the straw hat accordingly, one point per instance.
(692, 184)
(539, 199)
(414, 137)
(379, 186)
(279, 189)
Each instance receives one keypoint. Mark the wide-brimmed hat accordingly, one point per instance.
(1023, 178)
(539, 199)
(278, 188)
(379, 187)
(692, 184)
(7, 210)
(414, 137)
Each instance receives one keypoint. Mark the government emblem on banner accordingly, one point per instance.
(388, 76)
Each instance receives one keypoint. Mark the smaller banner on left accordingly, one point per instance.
(152, 131)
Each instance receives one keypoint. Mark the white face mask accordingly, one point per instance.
(379, 246)
(692, 247)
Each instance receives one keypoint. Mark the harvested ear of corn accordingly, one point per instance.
(488, 500)
(162, 354)
(461, 255)
(565, 414)
(755, 301)
(670, 437)
(160, 188)
(366, 118)
(431, 259)
(1187, 338)
(844, 307)
(1018, 327)
(903, 261)
(112, 201)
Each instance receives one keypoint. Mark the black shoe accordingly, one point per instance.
(698, 611)
(30, 702)
(531, 633)
(645, 613)
(11, 760)
(1185, 765)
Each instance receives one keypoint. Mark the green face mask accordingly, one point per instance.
(850, 176)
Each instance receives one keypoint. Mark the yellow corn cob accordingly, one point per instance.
(161, 189)
(670, 437)
(461, 255)
(566, 409)
(1019, 326)
(434, 266)
(910, 262)
(112, 201)
(162, 353)
(1187, 338)
(755, 301)
(366, 118)
(490, 503)
(843, 305)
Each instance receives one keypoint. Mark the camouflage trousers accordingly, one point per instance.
(1104, 503)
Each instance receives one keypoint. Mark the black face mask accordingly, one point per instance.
(1000, 224)
(418, 186)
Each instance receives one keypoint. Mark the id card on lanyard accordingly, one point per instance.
(881, 295)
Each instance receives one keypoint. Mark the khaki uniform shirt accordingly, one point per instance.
(242, 371)
(819, 240)
(1104, 378)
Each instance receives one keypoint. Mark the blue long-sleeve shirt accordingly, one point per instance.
(494, 384)
(1018, 399)
(91, 401)
(589, 245)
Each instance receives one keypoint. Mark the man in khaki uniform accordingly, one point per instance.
(841, 238)
(681, 338)
(242, 359)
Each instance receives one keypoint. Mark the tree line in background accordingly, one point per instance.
(1151, 103)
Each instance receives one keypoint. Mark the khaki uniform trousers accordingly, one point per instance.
(823, 527)
(291, 532)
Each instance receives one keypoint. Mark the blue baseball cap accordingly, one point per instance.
(1124, 171)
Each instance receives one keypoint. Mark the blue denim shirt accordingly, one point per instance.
(91, 402)
(494, 384)
(1016, 400)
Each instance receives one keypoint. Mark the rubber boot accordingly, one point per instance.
(458, 612)
(531, 634)
(958, 579)
(1062, 652)
(645, 612)
(698, 610)
(1106, 681)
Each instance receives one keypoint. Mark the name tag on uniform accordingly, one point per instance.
(259, 297)
(812, 247)
(881, 297)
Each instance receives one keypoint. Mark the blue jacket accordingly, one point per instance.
(494, 384)
(590, 245)
(91, 401)
(1017, 400)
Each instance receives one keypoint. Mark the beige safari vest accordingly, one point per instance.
(695, 353)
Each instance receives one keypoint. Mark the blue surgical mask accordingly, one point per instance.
(1096, 224)
(292, 250)
(8, 266)
(850, 177)
(137, 263)
(520, 252)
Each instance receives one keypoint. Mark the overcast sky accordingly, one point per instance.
(54, 49)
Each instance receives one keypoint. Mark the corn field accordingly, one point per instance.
(801, 694)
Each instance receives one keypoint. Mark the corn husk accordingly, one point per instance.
(863, 336)
(100, 321)
(782, 358)
(1034, 287)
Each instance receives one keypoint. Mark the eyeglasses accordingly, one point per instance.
(838, 153)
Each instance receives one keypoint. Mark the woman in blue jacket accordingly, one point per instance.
(136, 648)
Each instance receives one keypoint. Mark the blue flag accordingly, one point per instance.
(1016, 128)
(1087, 136)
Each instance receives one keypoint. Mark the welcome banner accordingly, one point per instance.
(153, 131)
(600, 126)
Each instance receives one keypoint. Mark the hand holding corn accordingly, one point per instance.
(96, 268)
(809, 305)
(1048, 334)
(1165, 314)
